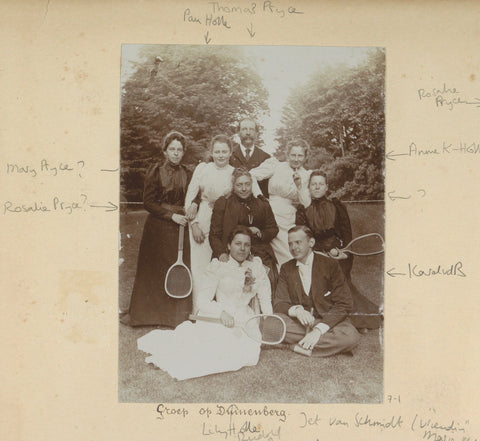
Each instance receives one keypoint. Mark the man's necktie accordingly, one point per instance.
(247, 154)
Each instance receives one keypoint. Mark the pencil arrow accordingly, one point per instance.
(390, 155)
(392, 274)
(207, 40)
(109, 207)
(393, 198)
(250, 31)
(475, 103)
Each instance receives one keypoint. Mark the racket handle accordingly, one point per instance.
(299, 350)
(204, 318)
(181, 234)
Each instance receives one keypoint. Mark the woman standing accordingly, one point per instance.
(195, 350)
(329, 221)
(209, 181)
(288, 187)
(163, 198)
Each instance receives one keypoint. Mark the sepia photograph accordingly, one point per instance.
(252, 224)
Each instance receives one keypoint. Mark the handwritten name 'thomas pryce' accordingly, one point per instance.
(213, 17)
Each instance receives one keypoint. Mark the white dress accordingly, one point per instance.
(284, 199)
(202, 348)
(212, 182)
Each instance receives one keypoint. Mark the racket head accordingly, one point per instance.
(178, 281)
(366, 245)
(269, 329)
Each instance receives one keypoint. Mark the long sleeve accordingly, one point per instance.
(270, 230)
(343, 227)
(151, 195)
(206, 294)
(304, 193)
(281, 300)
(194, 187)
(256, 191)
(262, 287)
(265, 170)
(216, 228)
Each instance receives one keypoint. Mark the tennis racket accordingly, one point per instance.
(366, 245)
(178, 281)
(263, 328)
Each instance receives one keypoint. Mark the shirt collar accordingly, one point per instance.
(322, 199)
(234, 263)
(172, 166)
(308, 262)
(245, 201)
(244, 150)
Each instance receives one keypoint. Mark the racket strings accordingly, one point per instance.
(178, 282)
(367, 245)
(269, 329)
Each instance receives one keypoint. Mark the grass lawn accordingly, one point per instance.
(338, 379)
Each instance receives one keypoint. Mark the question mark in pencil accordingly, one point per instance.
(82, 165)
(84, 197)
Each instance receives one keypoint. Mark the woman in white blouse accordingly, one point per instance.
(288, 187)
(210, 180)
(203, 348)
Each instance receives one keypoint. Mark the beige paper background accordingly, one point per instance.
(60, 76)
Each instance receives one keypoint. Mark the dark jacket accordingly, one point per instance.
(231, 211)
(165, 188)
(329, 221)
(258, 156)
(327, 276)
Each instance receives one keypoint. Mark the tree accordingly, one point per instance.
(200, 91)
(340, 113)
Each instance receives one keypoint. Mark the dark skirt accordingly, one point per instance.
(150, 304)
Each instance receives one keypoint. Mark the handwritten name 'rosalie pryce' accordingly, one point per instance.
(40, 207)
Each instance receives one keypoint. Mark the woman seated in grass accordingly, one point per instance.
(328, 219)
(203, 348)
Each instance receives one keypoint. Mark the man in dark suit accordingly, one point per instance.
(314, 299)
(246, 154)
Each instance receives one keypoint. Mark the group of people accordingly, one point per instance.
(254, 224)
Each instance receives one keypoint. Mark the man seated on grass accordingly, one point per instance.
(314, 299)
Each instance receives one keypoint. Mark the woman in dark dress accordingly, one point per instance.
(330, 223)
(242, 208)
(163, 198)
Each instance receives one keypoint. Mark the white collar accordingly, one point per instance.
(299, 169)
(308, 262)
(231, 261)
(244, 149)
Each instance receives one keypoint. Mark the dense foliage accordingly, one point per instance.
(200, 91)
(340, 113)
